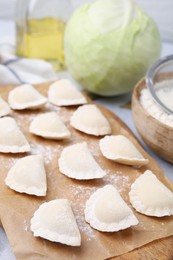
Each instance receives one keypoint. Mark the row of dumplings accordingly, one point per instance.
(75, 161)
(60, 93)
(105, 210)
(86, 118)
(12, 140)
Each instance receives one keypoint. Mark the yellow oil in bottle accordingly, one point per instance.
(43, 38)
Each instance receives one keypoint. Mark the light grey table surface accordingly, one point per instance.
(115, 104)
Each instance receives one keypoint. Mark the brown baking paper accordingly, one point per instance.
(16, 210)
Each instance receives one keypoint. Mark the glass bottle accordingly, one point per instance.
(40, 28)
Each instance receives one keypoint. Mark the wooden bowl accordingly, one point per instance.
(158, 136)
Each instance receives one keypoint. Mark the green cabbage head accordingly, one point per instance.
(109, 45)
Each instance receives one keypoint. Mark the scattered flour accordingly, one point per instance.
(46, 151)
(26, 226)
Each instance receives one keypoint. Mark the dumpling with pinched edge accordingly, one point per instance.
(76, 161)
(50, 126)
(4, 108)
(25, 97)
(28, 176)
(55, 221)
(120, 149)
(150, 196)
(12, 140)
(64, 93)
(90, 120)
(106, 211)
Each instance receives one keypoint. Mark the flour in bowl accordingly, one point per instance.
(165, 94)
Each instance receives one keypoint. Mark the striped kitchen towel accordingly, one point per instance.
(15, 70)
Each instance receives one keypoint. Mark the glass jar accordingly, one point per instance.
(159, 80)
(40, 28)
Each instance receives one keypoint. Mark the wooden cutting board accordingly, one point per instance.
(159, 249)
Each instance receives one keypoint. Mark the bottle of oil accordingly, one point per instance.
(40, 28)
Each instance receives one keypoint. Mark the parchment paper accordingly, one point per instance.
(17, 209)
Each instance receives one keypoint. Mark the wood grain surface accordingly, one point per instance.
(161, 249)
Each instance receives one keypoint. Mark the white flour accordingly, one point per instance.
(165, 92)
(166, 96)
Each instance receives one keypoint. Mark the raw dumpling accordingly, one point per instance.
(120, 149)
(64, 93)
(12, 139)
(25, 97)
(106, 211)
(151, 197)
(90, 120)
(4, 108)
(28, 176)
(50, 126)
(55, 221)
(77, 162)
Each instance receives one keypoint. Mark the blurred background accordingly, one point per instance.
(159, 10)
